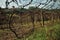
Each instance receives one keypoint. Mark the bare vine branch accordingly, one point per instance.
(42, 3)
(46, 4)
(28, 3)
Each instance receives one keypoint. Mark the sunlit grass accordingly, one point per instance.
(46, 33)
(41, 33)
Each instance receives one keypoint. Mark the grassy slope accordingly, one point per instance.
(46, 33)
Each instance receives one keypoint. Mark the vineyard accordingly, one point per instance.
(29, 24)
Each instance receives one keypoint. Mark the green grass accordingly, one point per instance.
(46, 33)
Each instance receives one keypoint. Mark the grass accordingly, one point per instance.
(43, 33)
(46, 33)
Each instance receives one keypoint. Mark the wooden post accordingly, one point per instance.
(42, 18)
(32, 18)
(52, 14)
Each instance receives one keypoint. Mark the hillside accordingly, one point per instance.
(29, 24)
